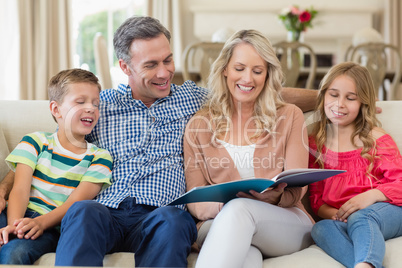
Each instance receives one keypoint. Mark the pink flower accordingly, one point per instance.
(294, 10)
(305, 16)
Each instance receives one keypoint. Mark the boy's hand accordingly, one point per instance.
(29, 228)
(5, 232)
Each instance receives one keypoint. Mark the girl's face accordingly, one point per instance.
(341, 102)
(245, 74)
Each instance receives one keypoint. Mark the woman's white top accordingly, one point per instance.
(242, 157)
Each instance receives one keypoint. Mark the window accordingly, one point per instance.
(92, 16)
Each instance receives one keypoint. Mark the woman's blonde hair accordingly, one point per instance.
(366, 119)
(219, 106)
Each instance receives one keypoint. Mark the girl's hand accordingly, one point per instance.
(5, 232)
(271, 196)
(336, 218)
(358, 202)
(29, 228)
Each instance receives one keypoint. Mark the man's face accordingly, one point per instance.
(150, 70)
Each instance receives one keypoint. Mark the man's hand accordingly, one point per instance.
(5, 187)
(3, 203)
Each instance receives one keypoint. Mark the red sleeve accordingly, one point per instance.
(388, 170)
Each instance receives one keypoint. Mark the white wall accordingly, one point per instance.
(333, 27)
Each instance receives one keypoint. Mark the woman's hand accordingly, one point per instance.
(29, 228)
(271, 195)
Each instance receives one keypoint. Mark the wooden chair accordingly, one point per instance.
(290, 57)
(102, 61)
(375, 57)
(198, 58)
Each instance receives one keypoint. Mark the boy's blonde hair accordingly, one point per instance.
(365, 121)
(59, 84)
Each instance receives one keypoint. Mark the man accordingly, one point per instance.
(142, 126)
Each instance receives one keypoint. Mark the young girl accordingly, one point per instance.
(361, 207)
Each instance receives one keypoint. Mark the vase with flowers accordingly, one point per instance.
(297, 20)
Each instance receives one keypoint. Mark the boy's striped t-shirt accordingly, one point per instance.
(57, 171)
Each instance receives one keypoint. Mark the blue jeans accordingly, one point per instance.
(27, 251)
(362, 238)
(159, 237)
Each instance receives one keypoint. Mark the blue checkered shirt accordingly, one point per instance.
(146, 143)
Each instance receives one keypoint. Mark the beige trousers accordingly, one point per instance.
(246, 231)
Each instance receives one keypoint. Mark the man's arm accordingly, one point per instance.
(5, 188)
(305, 99)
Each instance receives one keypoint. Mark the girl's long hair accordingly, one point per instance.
(219, 106)
(366, 119)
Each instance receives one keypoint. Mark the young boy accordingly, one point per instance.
(53, 170)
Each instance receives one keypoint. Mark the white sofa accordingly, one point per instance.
(20, 117)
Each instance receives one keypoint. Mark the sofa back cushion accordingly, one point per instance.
(390, 120)
(18, 118)
(3, 154)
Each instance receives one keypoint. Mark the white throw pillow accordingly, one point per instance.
(4, 152)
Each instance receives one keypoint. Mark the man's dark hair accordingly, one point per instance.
(136, 28)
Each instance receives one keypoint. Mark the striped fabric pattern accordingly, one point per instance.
(146, 143)
(57, 171)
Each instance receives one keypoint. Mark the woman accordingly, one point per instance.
(246, 131)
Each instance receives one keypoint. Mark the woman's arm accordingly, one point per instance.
(296, 156)
(194, 169)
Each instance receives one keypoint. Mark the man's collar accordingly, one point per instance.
(126, 90)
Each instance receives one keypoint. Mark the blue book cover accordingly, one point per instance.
(225, 192)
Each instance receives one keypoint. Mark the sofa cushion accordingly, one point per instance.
(18, 118)
(119, 259)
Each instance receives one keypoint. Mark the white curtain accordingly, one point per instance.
(45, 46)
(393, 19)
(9, 51)
(168, 12)
(393, 23)
(393, 33)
